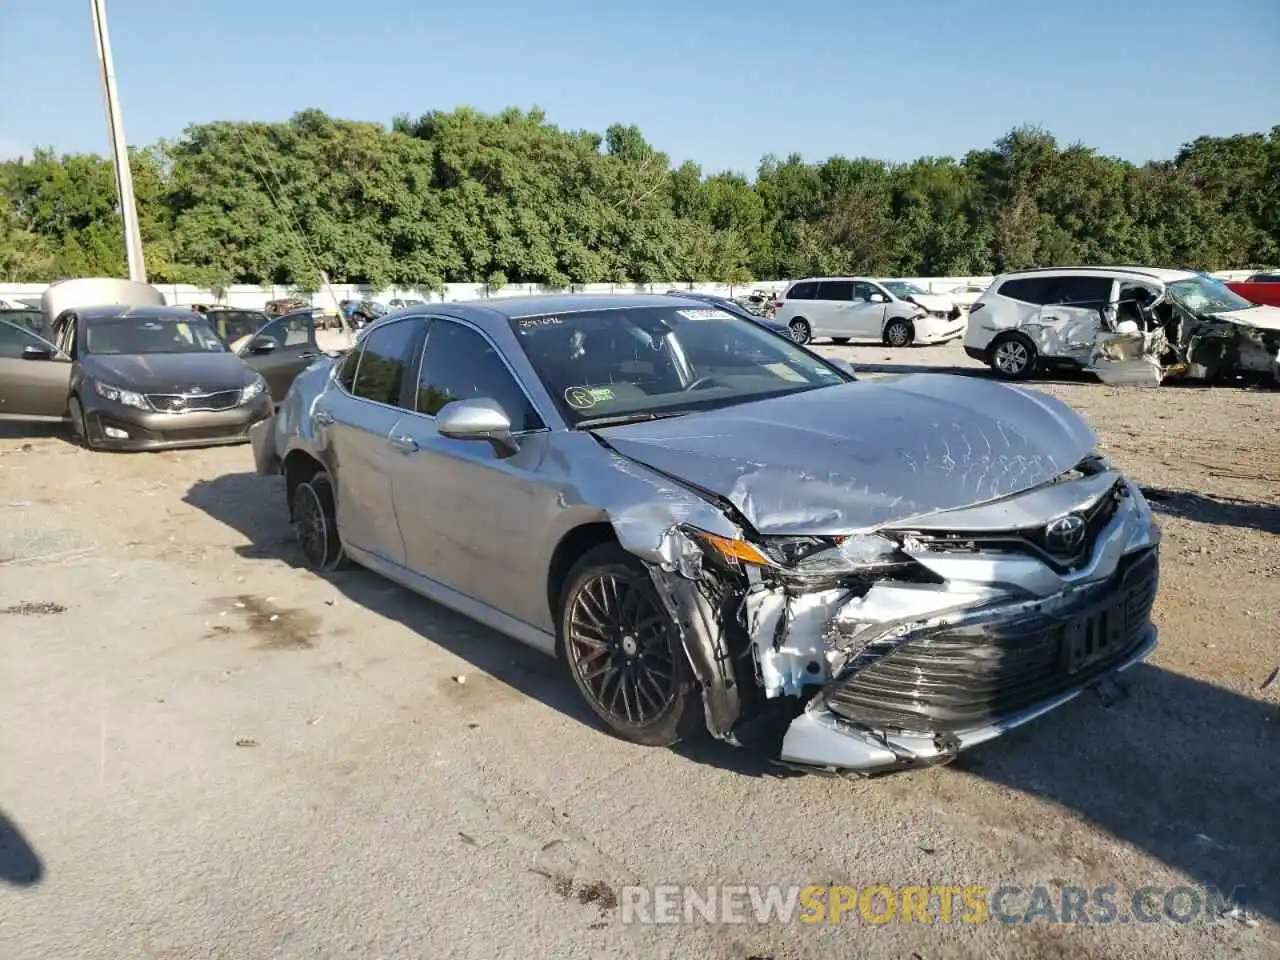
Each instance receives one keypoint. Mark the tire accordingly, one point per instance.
(840, 341)
(75, 410)
(313, 511)
(618, 643)
(899, 333)
(1012, 356)
(801, 332)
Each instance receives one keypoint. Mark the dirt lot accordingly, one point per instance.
(206, 751)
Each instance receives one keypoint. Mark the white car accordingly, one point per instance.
(967, 294)
(1127, 325)
(858, 308)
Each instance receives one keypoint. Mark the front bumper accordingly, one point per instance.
(262, 435)
(822, 738)
(117, 427)
(909, 674)
(921, 700)
(934, 329)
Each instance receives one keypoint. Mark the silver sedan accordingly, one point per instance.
(712, 527)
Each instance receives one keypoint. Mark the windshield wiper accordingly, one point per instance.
(618, 419)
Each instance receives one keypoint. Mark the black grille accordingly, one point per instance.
(1030, 540)
(179, 403)
(962, 677)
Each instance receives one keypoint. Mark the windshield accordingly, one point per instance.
(637, 362)
(142, 335)
(1202, 295)
(900, 288)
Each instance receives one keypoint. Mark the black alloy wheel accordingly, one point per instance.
(315, 523)
(623, 649)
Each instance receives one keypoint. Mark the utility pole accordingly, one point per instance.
(119, 146)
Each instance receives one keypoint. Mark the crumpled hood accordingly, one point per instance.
(862, 455)
(169, 372)
(935, 302)
(1262, 318)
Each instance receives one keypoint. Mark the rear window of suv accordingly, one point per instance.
(1083, 290)
(1028, 289)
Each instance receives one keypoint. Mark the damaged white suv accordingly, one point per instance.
(1127, 325)
(712, 527)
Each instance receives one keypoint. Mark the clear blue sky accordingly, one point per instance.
(716, 81)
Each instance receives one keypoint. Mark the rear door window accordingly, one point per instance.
(380, 375)
(805, 290)
(1082, 291)
(841, 290)
(1037, 290)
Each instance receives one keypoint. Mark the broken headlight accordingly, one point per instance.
(860, 553)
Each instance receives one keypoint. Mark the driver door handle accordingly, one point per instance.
(324, 417)
(404, 443)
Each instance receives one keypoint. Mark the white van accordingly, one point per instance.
(858, 308)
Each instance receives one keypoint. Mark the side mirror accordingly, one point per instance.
(260, 345)
(36, 352)
(478, 419)
(879, 298)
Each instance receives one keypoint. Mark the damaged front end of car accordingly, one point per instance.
(898, 647)
(1176, 338)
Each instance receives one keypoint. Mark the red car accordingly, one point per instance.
(1261, 288)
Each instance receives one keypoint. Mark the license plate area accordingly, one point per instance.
(1094, 636)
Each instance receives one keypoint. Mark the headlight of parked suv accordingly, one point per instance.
(128, 398)
(253, 390)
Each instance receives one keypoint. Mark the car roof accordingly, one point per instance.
(1163, 274)
(497, 312)
(98, 313)
(814, 279)
(514, 307)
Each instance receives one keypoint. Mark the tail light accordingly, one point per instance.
(976, 307)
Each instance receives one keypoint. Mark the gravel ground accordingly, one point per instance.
(206, 751)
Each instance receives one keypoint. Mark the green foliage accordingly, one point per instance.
(463, 196)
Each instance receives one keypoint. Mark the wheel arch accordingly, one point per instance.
(570, 548)
(298, 467)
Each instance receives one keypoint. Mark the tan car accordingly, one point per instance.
(132, 378)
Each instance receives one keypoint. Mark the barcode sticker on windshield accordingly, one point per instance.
(533, 323)
(705, 314)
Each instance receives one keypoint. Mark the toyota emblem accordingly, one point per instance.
(1066, 534)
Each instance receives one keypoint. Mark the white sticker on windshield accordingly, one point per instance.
(709, 314)
(784, 372)
(533, 323)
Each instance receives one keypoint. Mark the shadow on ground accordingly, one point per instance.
(1219, 512)
(1184, 771)
(34, 429)
(254, 506)
(19, 863)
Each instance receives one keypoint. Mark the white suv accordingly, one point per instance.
(1059, 316)
(856, 308)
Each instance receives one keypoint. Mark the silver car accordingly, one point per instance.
(711, 526)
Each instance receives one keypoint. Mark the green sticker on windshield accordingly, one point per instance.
(584, 398)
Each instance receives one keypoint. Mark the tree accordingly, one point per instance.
(464, 196)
